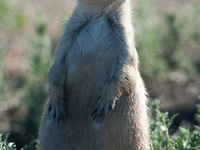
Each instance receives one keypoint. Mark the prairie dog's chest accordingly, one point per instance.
(93, 47)
(93, 36)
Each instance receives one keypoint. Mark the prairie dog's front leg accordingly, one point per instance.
(58, 72)
(107, 100)
(122, 79)
(120, 82)
(112, 91)
(56, 106)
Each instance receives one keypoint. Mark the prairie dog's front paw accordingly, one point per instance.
(56, 108)
(105, 105)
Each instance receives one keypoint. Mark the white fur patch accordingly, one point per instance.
(98, 122)
(48, 121)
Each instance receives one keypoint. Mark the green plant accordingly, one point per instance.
(167, 42)
(147, 42)
(162, 140)
(33, 145)
(5, 145)
(197, 115)
(3, 86)
(172, 45)
(10, 17)
(171, 42)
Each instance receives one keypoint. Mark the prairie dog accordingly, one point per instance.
(97, 97)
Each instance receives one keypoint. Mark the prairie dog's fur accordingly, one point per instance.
(96, 72)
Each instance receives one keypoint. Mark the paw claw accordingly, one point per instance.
(103, 108)
(102, 114)
(94, 111)
(49, 108)
(64, 97)
(56, 109)
(58, 120)
(94, 117)
(62, 117)
(54, 116)
(110, 108)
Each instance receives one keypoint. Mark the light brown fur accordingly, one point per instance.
(96, 72)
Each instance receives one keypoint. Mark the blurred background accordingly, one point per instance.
(167, 37)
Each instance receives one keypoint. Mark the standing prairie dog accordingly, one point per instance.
(97, 97)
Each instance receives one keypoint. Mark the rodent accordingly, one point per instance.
(97, 97)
